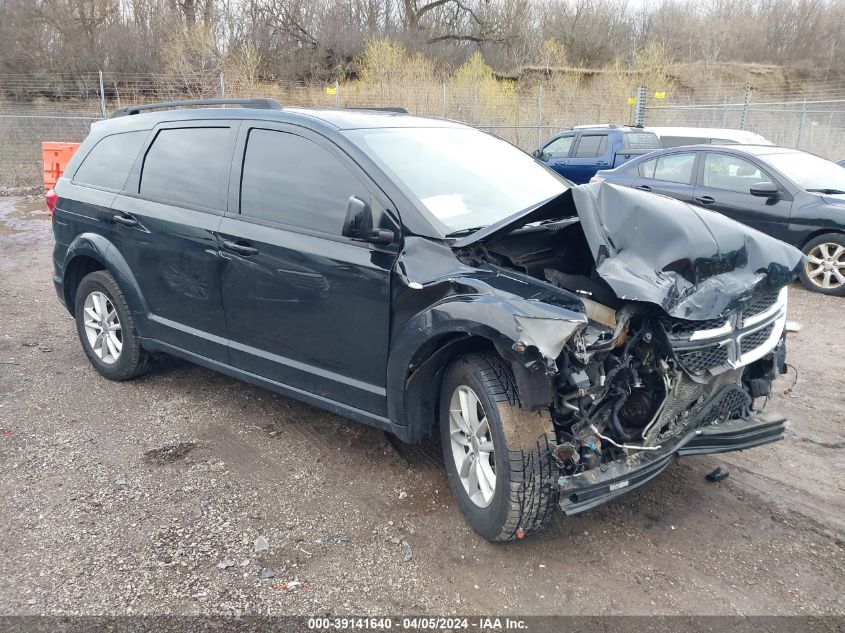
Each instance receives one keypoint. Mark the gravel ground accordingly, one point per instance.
(186, 492)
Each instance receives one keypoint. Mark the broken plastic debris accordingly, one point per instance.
(261, 544)
(793, 326)
(716, 475)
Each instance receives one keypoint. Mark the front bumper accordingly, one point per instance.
(593, 487)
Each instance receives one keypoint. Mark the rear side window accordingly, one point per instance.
(289, 179)
(591, 146)
(188, 167)
(647, 168)
(675, 168)
(108, 163)
(641, 140)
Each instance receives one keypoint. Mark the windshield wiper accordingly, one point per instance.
(830, 192)
(462, 232)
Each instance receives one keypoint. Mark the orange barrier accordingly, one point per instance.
(56, 157)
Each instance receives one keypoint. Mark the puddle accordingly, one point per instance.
(21, 215)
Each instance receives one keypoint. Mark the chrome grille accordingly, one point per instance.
(704, 358)
(759, 305)
(715, 345)
(752, 341)
(683, 327)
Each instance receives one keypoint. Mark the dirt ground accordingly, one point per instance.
(149, 496)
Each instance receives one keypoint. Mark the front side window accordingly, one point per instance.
(591, 146)
(188, 167)
(109, 162)
(461, 178)
(731, 173)
(675, 168)
(559, 148)
(294, 181)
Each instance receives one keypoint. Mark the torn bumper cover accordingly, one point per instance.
(593, 487)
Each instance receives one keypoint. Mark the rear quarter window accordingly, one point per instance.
(109, 161)
(641, 140)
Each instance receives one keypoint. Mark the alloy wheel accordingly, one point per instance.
(102, 327)
(826, 265)
(472, 446)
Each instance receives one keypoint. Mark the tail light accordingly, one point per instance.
(597, 179)
(51, 198)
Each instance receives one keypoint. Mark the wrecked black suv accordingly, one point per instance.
(566, 344)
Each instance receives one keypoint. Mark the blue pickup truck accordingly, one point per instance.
(579, 153)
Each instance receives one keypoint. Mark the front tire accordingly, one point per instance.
(824, 270)
(106, 328)
(498, 456)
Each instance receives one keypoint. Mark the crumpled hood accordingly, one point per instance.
(694, 263)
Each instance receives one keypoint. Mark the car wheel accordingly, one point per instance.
(107, 330)
(824, 270)
(498, 456)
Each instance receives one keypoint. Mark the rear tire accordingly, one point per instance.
(824, 270)
(509, 488)
(106, 328)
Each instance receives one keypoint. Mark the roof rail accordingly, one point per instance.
(259, 104)
(396, 109)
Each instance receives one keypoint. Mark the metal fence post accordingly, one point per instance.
(725, 113)
(222, 87)
(336, 93)
(745, 106)
(539, 115)
(102, 95)
(443, 87)
(639, 106)
(801, 124)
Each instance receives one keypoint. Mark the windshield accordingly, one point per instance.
(464, 178)
(808, 171)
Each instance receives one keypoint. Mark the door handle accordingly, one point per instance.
(705, 199)
(643, 187)
(240, 249)
(125, 220)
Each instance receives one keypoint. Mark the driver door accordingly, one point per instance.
(306, 307)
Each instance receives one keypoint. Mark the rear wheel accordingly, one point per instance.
(824, 270)
(498, 457)
(106, 328)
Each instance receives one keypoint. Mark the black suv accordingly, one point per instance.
(418, 275)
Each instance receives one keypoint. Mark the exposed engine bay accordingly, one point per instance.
(638, 376)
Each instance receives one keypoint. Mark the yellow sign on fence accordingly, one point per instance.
(632, 100)
(659, 95)
(331, 90)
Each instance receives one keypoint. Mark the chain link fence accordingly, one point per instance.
(525, 112)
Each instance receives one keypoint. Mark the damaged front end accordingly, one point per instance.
(684, 330)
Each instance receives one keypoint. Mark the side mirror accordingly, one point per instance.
(358, 224)
(765, 190)
(537, 153)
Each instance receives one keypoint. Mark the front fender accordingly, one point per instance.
(526, 320)
(99, 248)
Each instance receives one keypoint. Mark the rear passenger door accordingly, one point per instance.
(671, 175)
(588, 157)
(306, 307)
(165, 223)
